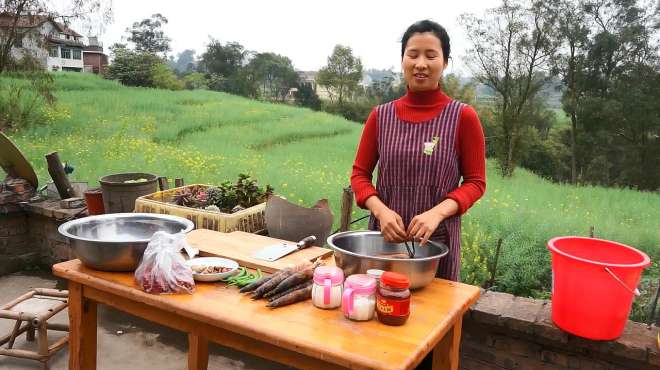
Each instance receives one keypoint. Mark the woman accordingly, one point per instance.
(423, 144)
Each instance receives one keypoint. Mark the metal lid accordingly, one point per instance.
(14, 162)
(375, 273)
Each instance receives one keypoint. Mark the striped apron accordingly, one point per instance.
(418, 166)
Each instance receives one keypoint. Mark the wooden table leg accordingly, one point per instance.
(82, 329)
(445, 353)
(198, 352)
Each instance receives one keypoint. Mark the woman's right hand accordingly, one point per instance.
(391, 226)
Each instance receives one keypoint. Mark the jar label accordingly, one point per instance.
(393, 307)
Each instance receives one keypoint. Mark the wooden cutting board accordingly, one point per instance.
(241, 246)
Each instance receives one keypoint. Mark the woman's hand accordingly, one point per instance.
(424, 225)
(391, 226)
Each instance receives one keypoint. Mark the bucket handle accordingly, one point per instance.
(634, 292)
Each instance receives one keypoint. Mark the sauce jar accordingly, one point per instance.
(359, 298)
(328, 287)
(393, 299)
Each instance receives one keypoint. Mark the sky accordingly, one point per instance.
(304, 31)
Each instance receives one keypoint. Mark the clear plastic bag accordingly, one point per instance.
(163, 269)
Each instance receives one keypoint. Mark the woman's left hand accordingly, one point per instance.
(423, 225)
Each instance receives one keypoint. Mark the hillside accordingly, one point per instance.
(207, 137)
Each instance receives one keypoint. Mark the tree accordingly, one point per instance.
(274, 74)
(132, 68)
(24, 17)
(148, 35)
(621, 94)
(306, 97)
(510, 45)
(184, 63)
(195, 81)
(464, 92)
(223, 66)
(572, 36)
(342, 74)
(221, 59)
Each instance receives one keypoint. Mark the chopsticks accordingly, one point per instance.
(411, 251)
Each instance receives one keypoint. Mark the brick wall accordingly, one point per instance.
(15, 249)
(502, 331)
(29, 236)
(44, 237)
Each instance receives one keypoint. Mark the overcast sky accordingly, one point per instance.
(304, 31)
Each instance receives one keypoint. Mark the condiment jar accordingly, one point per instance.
(327, 288)
(376, 274)
(359, 298)
(393, 299)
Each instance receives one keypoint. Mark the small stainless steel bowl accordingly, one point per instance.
(358, 251)
(116, 242)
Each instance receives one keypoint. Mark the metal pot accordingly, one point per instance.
(116, 242)
(358, 251)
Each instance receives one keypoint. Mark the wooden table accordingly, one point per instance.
(299, 335)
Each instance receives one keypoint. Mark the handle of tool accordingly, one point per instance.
(306, 242)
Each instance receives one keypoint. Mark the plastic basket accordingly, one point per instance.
(250, 220)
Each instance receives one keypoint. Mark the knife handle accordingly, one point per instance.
(306, 242)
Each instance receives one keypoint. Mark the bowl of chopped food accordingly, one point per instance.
(358, 251)
(212, 268)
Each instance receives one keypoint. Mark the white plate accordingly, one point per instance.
(213, 261)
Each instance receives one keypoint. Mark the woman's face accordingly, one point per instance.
(423, 62)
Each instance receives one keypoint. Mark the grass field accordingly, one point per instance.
(208, 137)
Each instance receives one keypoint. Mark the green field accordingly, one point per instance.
(207, 137)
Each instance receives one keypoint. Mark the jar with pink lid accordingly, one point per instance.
(359, 298)
(327, 288)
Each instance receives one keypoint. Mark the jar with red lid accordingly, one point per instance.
(393, 299)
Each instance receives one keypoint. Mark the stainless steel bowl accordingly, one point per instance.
(358, 251)
(116, 242)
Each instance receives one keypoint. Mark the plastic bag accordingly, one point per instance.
(163, 269)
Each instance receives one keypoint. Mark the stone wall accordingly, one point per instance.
(502, 331)
(52, 246)
(15, 247)
(29, 236)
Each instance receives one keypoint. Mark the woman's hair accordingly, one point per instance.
(427, 26)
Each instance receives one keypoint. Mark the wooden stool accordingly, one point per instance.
(35, 321)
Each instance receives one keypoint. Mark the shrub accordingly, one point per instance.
(22, 103)
(357, 111)
(143, 69)
(163, 77)
(195, 81)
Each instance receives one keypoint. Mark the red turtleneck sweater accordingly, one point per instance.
(417, 107)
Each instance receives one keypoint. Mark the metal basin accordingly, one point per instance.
(116, 242)
(358, 251)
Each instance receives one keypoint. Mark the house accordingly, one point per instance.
(308, 78)
(374, 75)
(94, 60)
(55, 45)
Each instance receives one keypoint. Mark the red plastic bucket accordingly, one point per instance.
(593, 284)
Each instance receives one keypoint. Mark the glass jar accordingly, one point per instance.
(359, 298)
(393, 299)
(376, 274)
(328, 287)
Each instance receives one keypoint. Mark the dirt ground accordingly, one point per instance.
(124, 342)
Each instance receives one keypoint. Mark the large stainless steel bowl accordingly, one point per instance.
(358, 251)
(116, 242)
